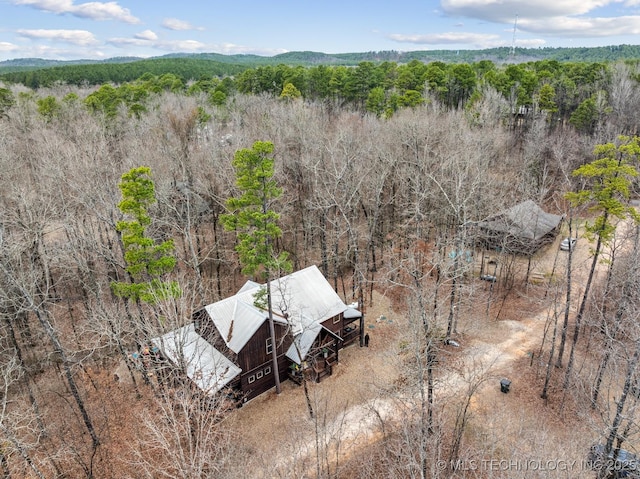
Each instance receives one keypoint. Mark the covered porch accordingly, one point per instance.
(313, 354)
(353, 326)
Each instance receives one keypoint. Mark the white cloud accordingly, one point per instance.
(182, 46)
(164, 45)
(506, 10)
(47, 51)
(7, 47)
(146, 40)
(557, 18)
(128, 42)
(175, 24)
(75, 37)
(449, 38)
(584, 27)
(233, 49)
(90, 10)
(531, 43)
(53, 6)
(146, 35)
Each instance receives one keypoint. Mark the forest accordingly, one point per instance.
(35, 72)
(382, 170)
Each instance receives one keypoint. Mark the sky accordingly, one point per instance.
(77, 29)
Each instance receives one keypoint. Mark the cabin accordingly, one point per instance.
(229, 344)
(522, 229)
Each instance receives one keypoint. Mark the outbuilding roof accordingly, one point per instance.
(525, 220)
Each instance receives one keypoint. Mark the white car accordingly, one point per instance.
(568, 243)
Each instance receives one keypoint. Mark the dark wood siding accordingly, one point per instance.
(255, 353)
(347, 329)
(335, 324)
(255, 361)
(205, 327)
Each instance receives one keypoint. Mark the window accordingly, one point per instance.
(336, 319)
(269, 346)
(259, 375)
(251, 379)
(267, 370)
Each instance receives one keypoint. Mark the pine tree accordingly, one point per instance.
(256, 224)
(148, 262)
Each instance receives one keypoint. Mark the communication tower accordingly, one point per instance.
(513, 40)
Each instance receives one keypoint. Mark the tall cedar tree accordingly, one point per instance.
(256, 224)
(147, 262)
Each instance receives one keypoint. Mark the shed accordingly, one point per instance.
(522, 229)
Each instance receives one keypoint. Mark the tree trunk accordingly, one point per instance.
(6, 474)
(619, 417)
(57, 346)
(547, 378)
(27, 374)
(324, 253)
(21, 450)
(622, 308)
(567, 303)
(581, 311)
(274, 344)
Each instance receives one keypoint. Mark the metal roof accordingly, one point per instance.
(248, 286)
(352, 313)
(237, 319)
(303, 341)
(303, 294)
(207, 367)
(524, 220)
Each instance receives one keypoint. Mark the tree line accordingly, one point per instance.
(583, 94)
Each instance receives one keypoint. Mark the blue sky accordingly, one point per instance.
(74, 29)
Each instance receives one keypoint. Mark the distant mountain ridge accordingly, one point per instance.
(309, 58)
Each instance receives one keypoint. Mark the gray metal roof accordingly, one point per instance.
(524, 220)
(303, 294)
(207, 367)
(237, 319)
(351, 313)
(303, 341)
(248, 286)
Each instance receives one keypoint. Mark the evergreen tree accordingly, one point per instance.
(256, 224)
(148, 262)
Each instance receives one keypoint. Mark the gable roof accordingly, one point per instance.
(207, 367)
(525, 220)
(237, 319)
(302, 342)
(297, 299)
(305, 295)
